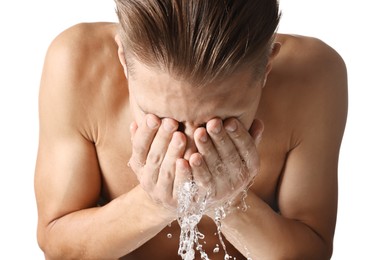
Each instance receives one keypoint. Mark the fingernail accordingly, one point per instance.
(217, 129)
(181, 164)
(197, 161)
(204, 137)
(231, 126)
(151, 123)
(176, 141)
(168, 126)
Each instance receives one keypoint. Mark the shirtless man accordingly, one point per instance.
(188, 78)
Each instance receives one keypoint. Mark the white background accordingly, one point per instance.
(27, 28)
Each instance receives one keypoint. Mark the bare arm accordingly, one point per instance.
(307, 199)
(68, 180)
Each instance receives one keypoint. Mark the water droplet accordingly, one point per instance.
(244, 203)
(200, 235)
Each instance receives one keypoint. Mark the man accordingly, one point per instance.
(211, 94)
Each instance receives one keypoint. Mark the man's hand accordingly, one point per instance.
(227, 158)
(225, 164)
(157, 146)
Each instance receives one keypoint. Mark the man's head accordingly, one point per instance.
(198, 41)
(194, 60)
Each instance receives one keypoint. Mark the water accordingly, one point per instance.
(191, 208)
(216, 249)
(219, 214)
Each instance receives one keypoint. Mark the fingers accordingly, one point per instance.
(227, 156)
(221, 170)
(161, 142)
(157, 152)
(244, 143)
(206, 148)
(201, 174)
(142, 137)
(167, 174)
(157, 147)
(226, 149)
(182, 175)
(218, 151)
(150, 142)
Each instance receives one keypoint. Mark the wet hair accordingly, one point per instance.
(199, 41)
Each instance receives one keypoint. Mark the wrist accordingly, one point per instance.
(250, 207)
(229, 207)
(156, 209)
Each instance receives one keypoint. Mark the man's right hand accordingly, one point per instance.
(157, 151)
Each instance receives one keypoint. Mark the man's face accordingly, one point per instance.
(155, 92)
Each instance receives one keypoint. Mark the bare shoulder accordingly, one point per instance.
(307, 56)
(309, 80)
(82, 46)
(82, 34)
(80, 62)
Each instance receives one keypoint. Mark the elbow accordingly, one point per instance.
(42, 241)
(48, 247)
(54, 252)
(53, 248)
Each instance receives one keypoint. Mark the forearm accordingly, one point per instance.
(107, 232)
(261, 233)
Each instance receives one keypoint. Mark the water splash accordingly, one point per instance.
(244, 203)
(191, 207)
(219, 214)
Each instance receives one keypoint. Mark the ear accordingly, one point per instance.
(121, 53)
(256, 130)
(274, 52)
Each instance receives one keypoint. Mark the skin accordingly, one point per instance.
(112, 139)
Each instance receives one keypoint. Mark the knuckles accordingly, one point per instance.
(154, 158)
(229, 176)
